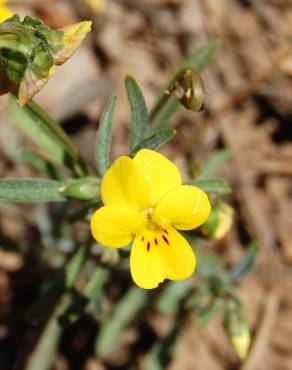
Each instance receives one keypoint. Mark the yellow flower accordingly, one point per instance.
(145, 202)
(5, 12)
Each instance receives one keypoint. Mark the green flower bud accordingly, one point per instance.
(219, 222)
(29, 50)
(83, 189)
(237, 329)
(189, 89)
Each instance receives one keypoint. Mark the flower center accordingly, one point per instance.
(151, 225)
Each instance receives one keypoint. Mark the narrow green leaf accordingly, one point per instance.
(156, 140)
(59, 284)
(166, 106)
(163, 350)
(216, 160)
(245, 264)
(172, 295)
(91, 291)
(139, 113)
(43, 354)
(217, 186)
(29, 190)
(208, 312)
(131, 304)
(41, 164)
(46, 133)
(104, 137)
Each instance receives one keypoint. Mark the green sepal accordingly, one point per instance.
(86, 188)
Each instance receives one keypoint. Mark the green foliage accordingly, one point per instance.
(104, 137)
(61, 283)
(139, 118)
(245, 264)
(163, 350)
(91, 292)
(28, 190)
(216, 160)
(125, 312)
(154, 141)
(169, 300)
(46, 133)
(216, 186)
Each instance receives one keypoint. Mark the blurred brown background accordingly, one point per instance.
(248, 111)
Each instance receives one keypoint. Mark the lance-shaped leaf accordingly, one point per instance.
(91, 292)
(29, 190)
(172, 295)
(139, 113)
(162, 351)
(154, 141)
(125, 312)
(104, 137)
(216, 186)
(62, 282)
(245, 264)
(45, 132)
(214, 162)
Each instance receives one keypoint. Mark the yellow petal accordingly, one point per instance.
(123, 184)
(185, 208)
(161, 174)
(159, 255)
(115, 226)
(73, 36)
(5, 12)
(145, 264)
(176, 254)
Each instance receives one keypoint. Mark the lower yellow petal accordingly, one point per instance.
(161, 254)
(185, 207)
(176, 254)
(115, 226)
(145, 264)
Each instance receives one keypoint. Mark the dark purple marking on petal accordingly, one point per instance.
(165, 239)
(155, 241)
(142, 238)
(166, 232)
(148, 246)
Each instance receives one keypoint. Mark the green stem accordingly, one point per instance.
(80, 166)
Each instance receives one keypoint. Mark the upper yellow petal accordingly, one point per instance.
(158, 255)
(160, 174)
(185, 208)
(115, 225)
(5, 12)
(123, 184)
